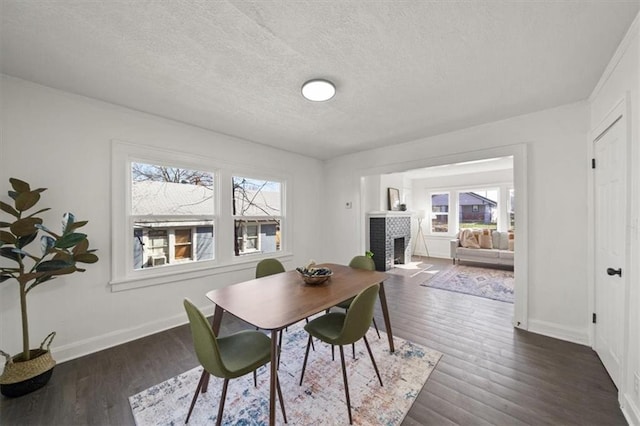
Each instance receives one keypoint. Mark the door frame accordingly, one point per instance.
(520, 174)
(620, 112)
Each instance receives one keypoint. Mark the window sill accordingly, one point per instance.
(180, 274)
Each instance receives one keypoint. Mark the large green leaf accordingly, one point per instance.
(19, 185)
(25, 226)
(53, 266)
(7, 237)
(9, 253)
(26, 240)
(47, 230)
(38, 212)
(70, 240)
(4, 277)
(8, 209)
(86, 258)
(81, 247)
(26, 200)
(77, 225)
(4, 224)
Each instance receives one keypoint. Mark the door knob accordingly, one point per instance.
(611, 271)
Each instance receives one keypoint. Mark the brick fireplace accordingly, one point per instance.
(389, 238)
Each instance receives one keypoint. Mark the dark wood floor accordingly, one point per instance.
(490, 373)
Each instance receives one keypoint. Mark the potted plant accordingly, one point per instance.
(59, 254)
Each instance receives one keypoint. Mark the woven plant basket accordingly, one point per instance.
(35, 373)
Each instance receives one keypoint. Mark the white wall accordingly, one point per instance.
(62, 141)
(556, 183)
(622, 78)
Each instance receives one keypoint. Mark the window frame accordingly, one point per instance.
(280, 218)
(123, 276)
(433, 214)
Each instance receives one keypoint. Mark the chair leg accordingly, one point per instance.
(222, 398)
(333, 354)
(279, 347)
(376, 326)
(284, 414)
(375, 366)
(255, 379)
(312, 345)
(306, 355)
(353, 349)
(346, 385)
(195, 397)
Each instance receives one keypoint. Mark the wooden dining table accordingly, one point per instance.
(277, 301)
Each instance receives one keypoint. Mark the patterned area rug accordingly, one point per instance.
(320, 399)
(496, 284)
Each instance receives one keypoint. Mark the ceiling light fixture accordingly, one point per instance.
(318, 90)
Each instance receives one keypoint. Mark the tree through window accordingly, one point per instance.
(257, 212)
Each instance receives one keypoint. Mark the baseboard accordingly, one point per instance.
(631, 411)
(105, 341)
(574, 335)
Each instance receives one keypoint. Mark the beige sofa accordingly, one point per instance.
(496, 249)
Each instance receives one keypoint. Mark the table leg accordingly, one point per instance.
(272, 386)
(215, 326)
(385, 314)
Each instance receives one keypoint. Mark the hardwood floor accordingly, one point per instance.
(490, 373)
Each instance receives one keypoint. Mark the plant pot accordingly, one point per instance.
(22, 377)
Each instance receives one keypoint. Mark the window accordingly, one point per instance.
(257, 212)
(171, 209)
(440, 213)
(478, 209)
(175, 216)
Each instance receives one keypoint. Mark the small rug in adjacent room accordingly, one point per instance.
(320, 399)
(496, 284)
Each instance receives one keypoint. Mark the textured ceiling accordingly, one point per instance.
(403, 69)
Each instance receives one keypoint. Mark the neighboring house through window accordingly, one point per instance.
(257, 212)
(172, 211)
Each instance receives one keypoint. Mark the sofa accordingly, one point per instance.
(483, 246)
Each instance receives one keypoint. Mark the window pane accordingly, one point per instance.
(261, 236)
(252, 197)
(165, 200)
(440, 213)
(478, 209)
(257, 207)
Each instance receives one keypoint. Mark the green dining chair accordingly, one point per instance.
(268, 267)
(227, 357)
(265, 268)
(337, 328)
(360, 262)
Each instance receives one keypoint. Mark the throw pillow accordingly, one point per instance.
(486, 242)
(469, 240)
(512, 241)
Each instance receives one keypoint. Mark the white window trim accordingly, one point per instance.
(123, 277)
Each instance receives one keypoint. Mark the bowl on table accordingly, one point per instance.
(315, 276)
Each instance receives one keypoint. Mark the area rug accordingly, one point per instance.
(320, 399)
(496, 284)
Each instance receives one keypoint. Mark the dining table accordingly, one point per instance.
(277, 301)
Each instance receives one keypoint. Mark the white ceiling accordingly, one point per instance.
(403, 69)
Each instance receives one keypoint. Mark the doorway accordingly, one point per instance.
(610, 214)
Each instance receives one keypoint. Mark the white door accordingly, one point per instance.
(610, 219)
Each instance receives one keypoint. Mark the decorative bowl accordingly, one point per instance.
(315, 276)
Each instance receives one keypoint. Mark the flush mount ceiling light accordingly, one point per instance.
(318, 90)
